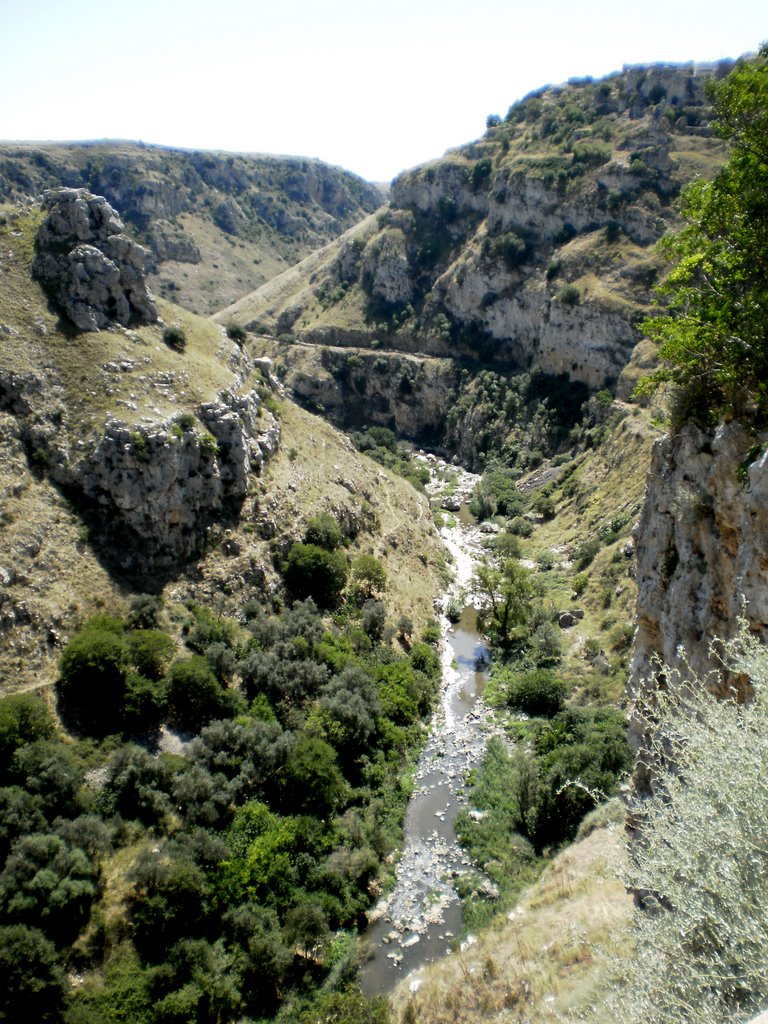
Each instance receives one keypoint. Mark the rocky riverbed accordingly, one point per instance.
(418, 920)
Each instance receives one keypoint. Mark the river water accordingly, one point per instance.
(420, 918)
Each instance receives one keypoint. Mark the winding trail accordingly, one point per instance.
(416, 923)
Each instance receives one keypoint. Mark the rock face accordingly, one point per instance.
(529, 249)
(409, 394)
(702, 553)
(154, 492)
(89, 266)
(188, 207)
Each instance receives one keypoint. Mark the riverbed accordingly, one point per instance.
(419, 920)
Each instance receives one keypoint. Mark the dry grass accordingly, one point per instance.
(318, 469)
(538, 962)
(608, 482)
(51, 576)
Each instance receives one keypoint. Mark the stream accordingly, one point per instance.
(418, 920)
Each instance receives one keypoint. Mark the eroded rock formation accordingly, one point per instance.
(92, 270)
(702, 556)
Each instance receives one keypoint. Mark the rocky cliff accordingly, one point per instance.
(90, 267)
(151, 443)
(215, 225)
(531, 248)
(702, 555)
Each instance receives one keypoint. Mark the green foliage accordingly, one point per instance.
(507, 590)
(368, 575)
(583, 753)
(145, 609)
(537, 692)
(503, 795)
(279, 817)
(569, 295)
(700, 948)
(324, 531)
(175, 338)
(48, 884)
(93, 670)
(24, 718)
(236, 332)
(151, 651)
(508, 247)
(34, 982)
(311, 571)
(195, 696)
(348, 1006)
(712, 340)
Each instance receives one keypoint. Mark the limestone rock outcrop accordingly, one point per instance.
(702, 554)
(92, 270)
(158, 489)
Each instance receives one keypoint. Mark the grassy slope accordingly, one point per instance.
(542, 960)
(51, 577)
(613, 274)
(285, 207)
(607, 482)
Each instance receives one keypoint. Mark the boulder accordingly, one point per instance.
(91, 269)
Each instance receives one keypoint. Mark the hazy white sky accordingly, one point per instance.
(375, 88)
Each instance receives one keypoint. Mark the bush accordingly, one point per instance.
(569, 295)
(311, 571)
(537, 692)
(324, 531)
(700, 950)
(236, 332)
(175, 338)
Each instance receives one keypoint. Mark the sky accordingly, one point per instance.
(375, 88)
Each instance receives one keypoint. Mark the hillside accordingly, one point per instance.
(531, 248)
(217, 224)
(106, 439)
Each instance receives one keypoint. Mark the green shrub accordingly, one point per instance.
(569, 295)
(311, 571)
(324, 531)
(236, 332)
(700, 948)
(538, 692)
(175, 337)
(579, 583)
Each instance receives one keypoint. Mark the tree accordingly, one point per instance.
(169, 901)
(91, 686)
(49, 884)
(151, 651)
(195, 696)
(323, 530)
(311, 571)
(714, 338)
(369, 575)
(374, 619)
(507, 588)
(33, 980)
(306, 926)
(24, 718)
(313, 782)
